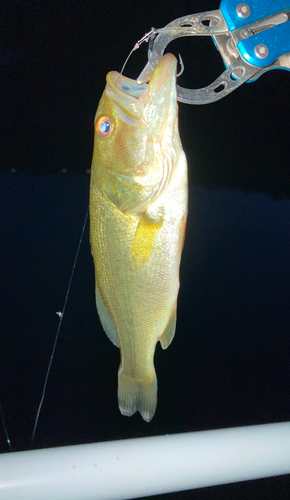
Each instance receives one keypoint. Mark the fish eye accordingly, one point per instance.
(104, 126)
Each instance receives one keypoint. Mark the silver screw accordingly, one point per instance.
(243, 10)
(246, 32)
(261, 51)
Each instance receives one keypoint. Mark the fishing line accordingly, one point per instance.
(5, 428)
(144, 38)
(60, 314)
(150, 37)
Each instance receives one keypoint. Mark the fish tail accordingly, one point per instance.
(137, 395)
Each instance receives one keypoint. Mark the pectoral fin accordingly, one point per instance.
(105, 319)
(144, 239)
(169, 332)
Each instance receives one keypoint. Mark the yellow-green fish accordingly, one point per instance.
(138, 209)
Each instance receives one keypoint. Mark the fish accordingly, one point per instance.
(138, 212)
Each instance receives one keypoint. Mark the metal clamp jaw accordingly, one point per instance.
(252, 38)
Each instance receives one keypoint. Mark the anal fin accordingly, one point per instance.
(169, 332)
(105, 319)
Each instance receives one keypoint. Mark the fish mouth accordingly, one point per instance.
(125, 93)
(132, 98)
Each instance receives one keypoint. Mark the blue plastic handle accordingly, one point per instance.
(276, 39)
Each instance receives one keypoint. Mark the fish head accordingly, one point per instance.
(136, 134)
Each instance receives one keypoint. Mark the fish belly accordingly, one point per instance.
(137, 280)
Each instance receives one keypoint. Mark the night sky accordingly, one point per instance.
(229, 362)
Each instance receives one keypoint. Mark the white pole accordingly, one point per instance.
(132, 468)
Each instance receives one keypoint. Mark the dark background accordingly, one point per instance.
(229, 362)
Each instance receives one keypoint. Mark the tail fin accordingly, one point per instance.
(137, 395)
